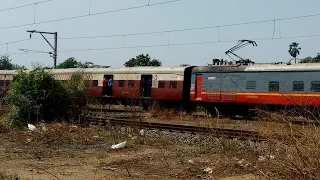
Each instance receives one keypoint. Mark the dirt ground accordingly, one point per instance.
(63, 151)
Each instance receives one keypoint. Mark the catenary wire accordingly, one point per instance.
(25, 5)
(189, 29)
(175, 44)
(176, 30)
(87, 15)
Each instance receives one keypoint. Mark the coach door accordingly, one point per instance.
(198, 86)
(145, 85)
(107, 85)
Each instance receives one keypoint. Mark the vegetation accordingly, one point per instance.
(78, 91)
(73, 63)
(5, 63)
(294, 50)
(142, 60)
(309, 59)
(37, 96)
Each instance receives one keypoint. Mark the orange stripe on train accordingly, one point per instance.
(261, 93)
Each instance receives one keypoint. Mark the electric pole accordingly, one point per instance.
(54, 48)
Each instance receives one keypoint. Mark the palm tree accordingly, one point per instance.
(294, 50)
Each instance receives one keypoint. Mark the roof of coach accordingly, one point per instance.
(258, 68)
(116, 70)
(124, 70)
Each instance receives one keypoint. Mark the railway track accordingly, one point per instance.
(218, 132)
(116, 113)
(296, 122)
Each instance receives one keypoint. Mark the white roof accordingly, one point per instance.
(116, 70)
(284, 67)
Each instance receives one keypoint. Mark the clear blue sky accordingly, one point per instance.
(178, 15)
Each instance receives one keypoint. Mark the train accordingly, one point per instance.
(220, 87)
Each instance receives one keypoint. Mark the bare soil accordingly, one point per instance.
(63, 151)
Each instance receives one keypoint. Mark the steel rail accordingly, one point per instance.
(218, 132)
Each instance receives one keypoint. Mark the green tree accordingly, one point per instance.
(309, 59)
(73, 63)
(316, 59)
(294, 50)
(5, 63)
(142, 60)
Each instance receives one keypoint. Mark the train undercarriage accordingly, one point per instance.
(218, 110)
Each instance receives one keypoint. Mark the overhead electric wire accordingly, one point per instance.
(25, 5)
(12, 42)
(188, 29)
(175, 30)
(88, 15)
(174, 44)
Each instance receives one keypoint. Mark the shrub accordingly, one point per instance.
(37, 96)
(78, 91)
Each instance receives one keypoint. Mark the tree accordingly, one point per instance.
(142, 60)
(5, 63)
(294, 50)
(316, 59)
(309, 59)
(73, 63)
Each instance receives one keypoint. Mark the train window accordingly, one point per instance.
(173, 84)
(95, 83)
(251, 85)
(162, 84)
(121, 83)
(274, 86)
(298, 86)
(315, 86)
(131, 84)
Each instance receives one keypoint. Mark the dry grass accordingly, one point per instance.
(298, 148)
(6, 176)
(290, 152)
(65, 151)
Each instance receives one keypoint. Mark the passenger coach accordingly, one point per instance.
(154, 83)
(258, 84)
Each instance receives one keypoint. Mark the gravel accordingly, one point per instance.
(198, 140)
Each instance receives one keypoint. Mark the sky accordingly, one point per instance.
(194, 47)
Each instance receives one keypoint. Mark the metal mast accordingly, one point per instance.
(54, 48)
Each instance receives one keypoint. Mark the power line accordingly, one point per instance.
(192, 29)
(175, 30)
(25, 5)
(175, 44)
(12, 42)
(92, 14)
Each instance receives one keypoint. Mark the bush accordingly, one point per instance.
(78, 92)
(38, 96)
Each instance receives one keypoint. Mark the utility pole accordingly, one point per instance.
(54, 48)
